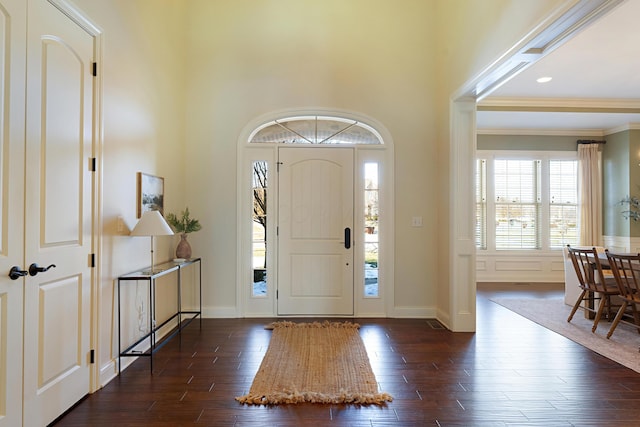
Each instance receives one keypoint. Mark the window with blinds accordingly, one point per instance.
(517, 203)
(526, 201)
(563, 203)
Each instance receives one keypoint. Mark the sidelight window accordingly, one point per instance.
(371, 229)
(259, 231)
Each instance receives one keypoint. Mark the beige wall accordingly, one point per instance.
(182, 79)
(143, 78)
(248, 58)
(471, 37)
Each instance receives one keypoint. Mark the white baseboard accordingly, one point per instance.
(220, 313)
(108, 372)
(414, 312)
(444, 318)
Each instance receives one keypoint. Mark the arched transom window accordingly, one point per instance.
(315, 130)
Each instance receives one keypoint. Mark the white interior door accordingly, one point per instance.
(58, 213)
(315, 231)
(12, 66)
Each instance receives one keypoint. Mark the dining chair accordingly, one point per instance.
(593, 282)
(571, 288)
(626, 270)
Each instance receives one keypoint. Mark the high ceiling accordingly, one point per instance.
(595, 87)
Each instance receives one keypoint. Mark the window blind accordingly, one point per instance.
(526, 216)
(517, 203)
(563, 203)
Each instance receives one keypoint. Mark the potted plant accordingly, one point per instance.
(633, 212)
(184, 225)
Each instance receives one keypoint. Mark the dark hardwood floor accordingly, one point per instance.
(511, 372)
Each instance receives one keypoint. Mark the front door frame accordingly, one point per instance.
(249, 306)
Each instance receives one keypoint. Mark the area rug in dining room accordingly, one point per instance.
(552, 313)
(317, 362)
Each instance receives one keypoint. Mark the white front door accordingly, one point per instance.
(12, 49)
(315, 231)
(58, 217)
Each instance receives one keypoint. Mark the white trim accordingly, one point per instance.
(462, 264)
(246, 305)
(408, 312)
(544, 132)
(622, 128)
(108, 372)
(563, 104)
(383, 304)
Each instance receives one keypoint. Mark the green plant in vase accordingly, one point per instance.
(183, 225)
(633, 212)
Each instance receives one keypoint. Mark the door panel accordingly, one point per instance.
(61, 148)
(315, 267)
(63, 355)
(58, 213)
(12, 69)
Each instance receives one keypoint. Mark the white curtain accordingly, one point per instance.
(590, 185)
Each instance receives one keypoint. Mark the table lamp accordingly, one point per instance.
(152, 223)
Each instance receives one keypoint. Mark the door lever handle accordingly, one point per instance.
(35, 269)
(15, 273)
(347, 238)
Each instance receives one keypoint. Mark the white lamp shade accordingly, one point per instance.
(152, 223)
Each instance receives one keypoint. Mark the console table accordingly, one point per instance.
(184, 317)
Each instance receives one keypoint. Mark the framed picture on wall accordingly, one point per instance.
(150, 193)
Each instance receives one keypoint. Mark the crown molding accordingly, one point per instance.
(558, 132)
(542, 132)
(622, 128)
(599, 105)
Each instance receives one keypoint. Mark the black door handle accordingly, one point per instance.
(347, 238)
(35, 269)
(15, 273)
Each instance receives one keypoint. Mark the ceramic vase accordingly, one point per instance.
(184, 248)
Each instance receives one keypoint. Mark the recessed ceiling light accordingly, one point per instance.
(544, 79)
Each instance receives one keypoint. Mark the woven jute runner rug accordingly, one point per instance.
(315, 362)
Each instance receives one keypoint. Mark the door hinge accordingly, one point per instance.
(277, 294)
(278, 166)
(92, 356)
(94, 69)
(92, 164)
(92, 260)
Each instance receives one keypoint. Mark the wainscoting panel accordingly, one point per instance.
(518, 267)
(622, 244)
(537, 267)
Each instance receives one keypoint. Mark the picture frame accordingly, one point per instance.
(150, 191)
